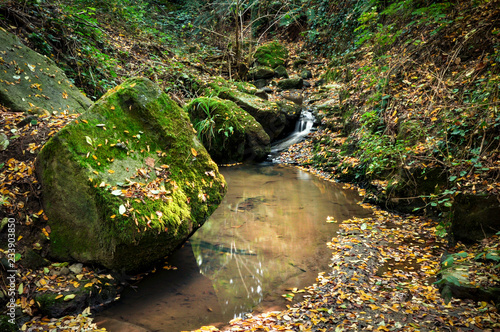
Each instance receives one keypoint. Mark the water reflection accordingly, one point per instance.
(267, 235)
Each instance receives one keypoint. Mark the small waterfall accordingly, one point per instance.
(302, 129)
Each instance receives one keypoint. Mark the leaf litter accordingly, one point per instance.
(382, 279)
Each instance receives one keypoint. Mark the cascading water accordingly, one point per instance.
(303, 127)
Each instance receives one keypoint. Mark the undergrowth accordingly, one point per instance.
(421, 92)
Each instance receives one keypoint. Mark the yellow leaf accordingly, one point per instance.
(193, 151)
(69, 297)
(111, 171)
(59, 296)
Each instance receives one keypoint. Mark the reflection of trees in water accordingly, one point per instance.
(237, 276)
(268, 231)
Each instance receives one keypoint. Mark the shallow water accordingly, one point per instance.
(268, 235)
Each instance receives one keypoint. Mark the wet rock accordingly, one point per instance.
(281, 72)
(235, 135)
(299, 63)
(262, 94)
(291, 83)
(306, 74)
(261, 72)
(260, 84)
(268, 114)
(33, 119)
(31, 82)
(96, 194)
(292, 112)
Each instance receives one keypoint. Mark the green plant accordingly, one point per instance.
(205, 127)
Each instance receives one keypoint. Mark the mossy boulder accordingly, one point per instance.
(228, 132)
(272, 55)
(261, 72)
(292, 113)
(128, 181)
(267, 113)
(281, 72)
(291, 83)
(31, 82)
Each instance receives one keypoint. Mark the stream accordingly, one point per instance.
(267, 236)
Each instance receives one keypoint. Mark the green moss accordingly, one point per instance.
(134, 139)
(225, 139)
(267, 113)
(272, 55)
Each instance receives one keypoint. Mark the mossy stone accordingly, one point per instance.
(272, 55)
(229, 133)
(291, 83)
(299, 63)
(281, 72)
(35, 84)
(128, 181)
(261, 72)
(267, 113)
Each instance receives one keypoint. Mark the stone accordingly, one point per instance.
(292, 113)
(267, 113)
(262, 94)
(281, 72)
(455, 283)
(306, 74)
(228, 132)
(291, 83)
(261, 72)
(271, 54)
(76, 268)
(32, 83)
(64, 271)
(128, 181)
(299, 63)
(260, 84)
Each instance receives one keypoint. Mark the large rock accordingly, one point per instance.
(267, 113)
(292, 113)
(272, 55)
(261, 72)
(128, 181)
(228, 132)
(291, 83)
(31, 82)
